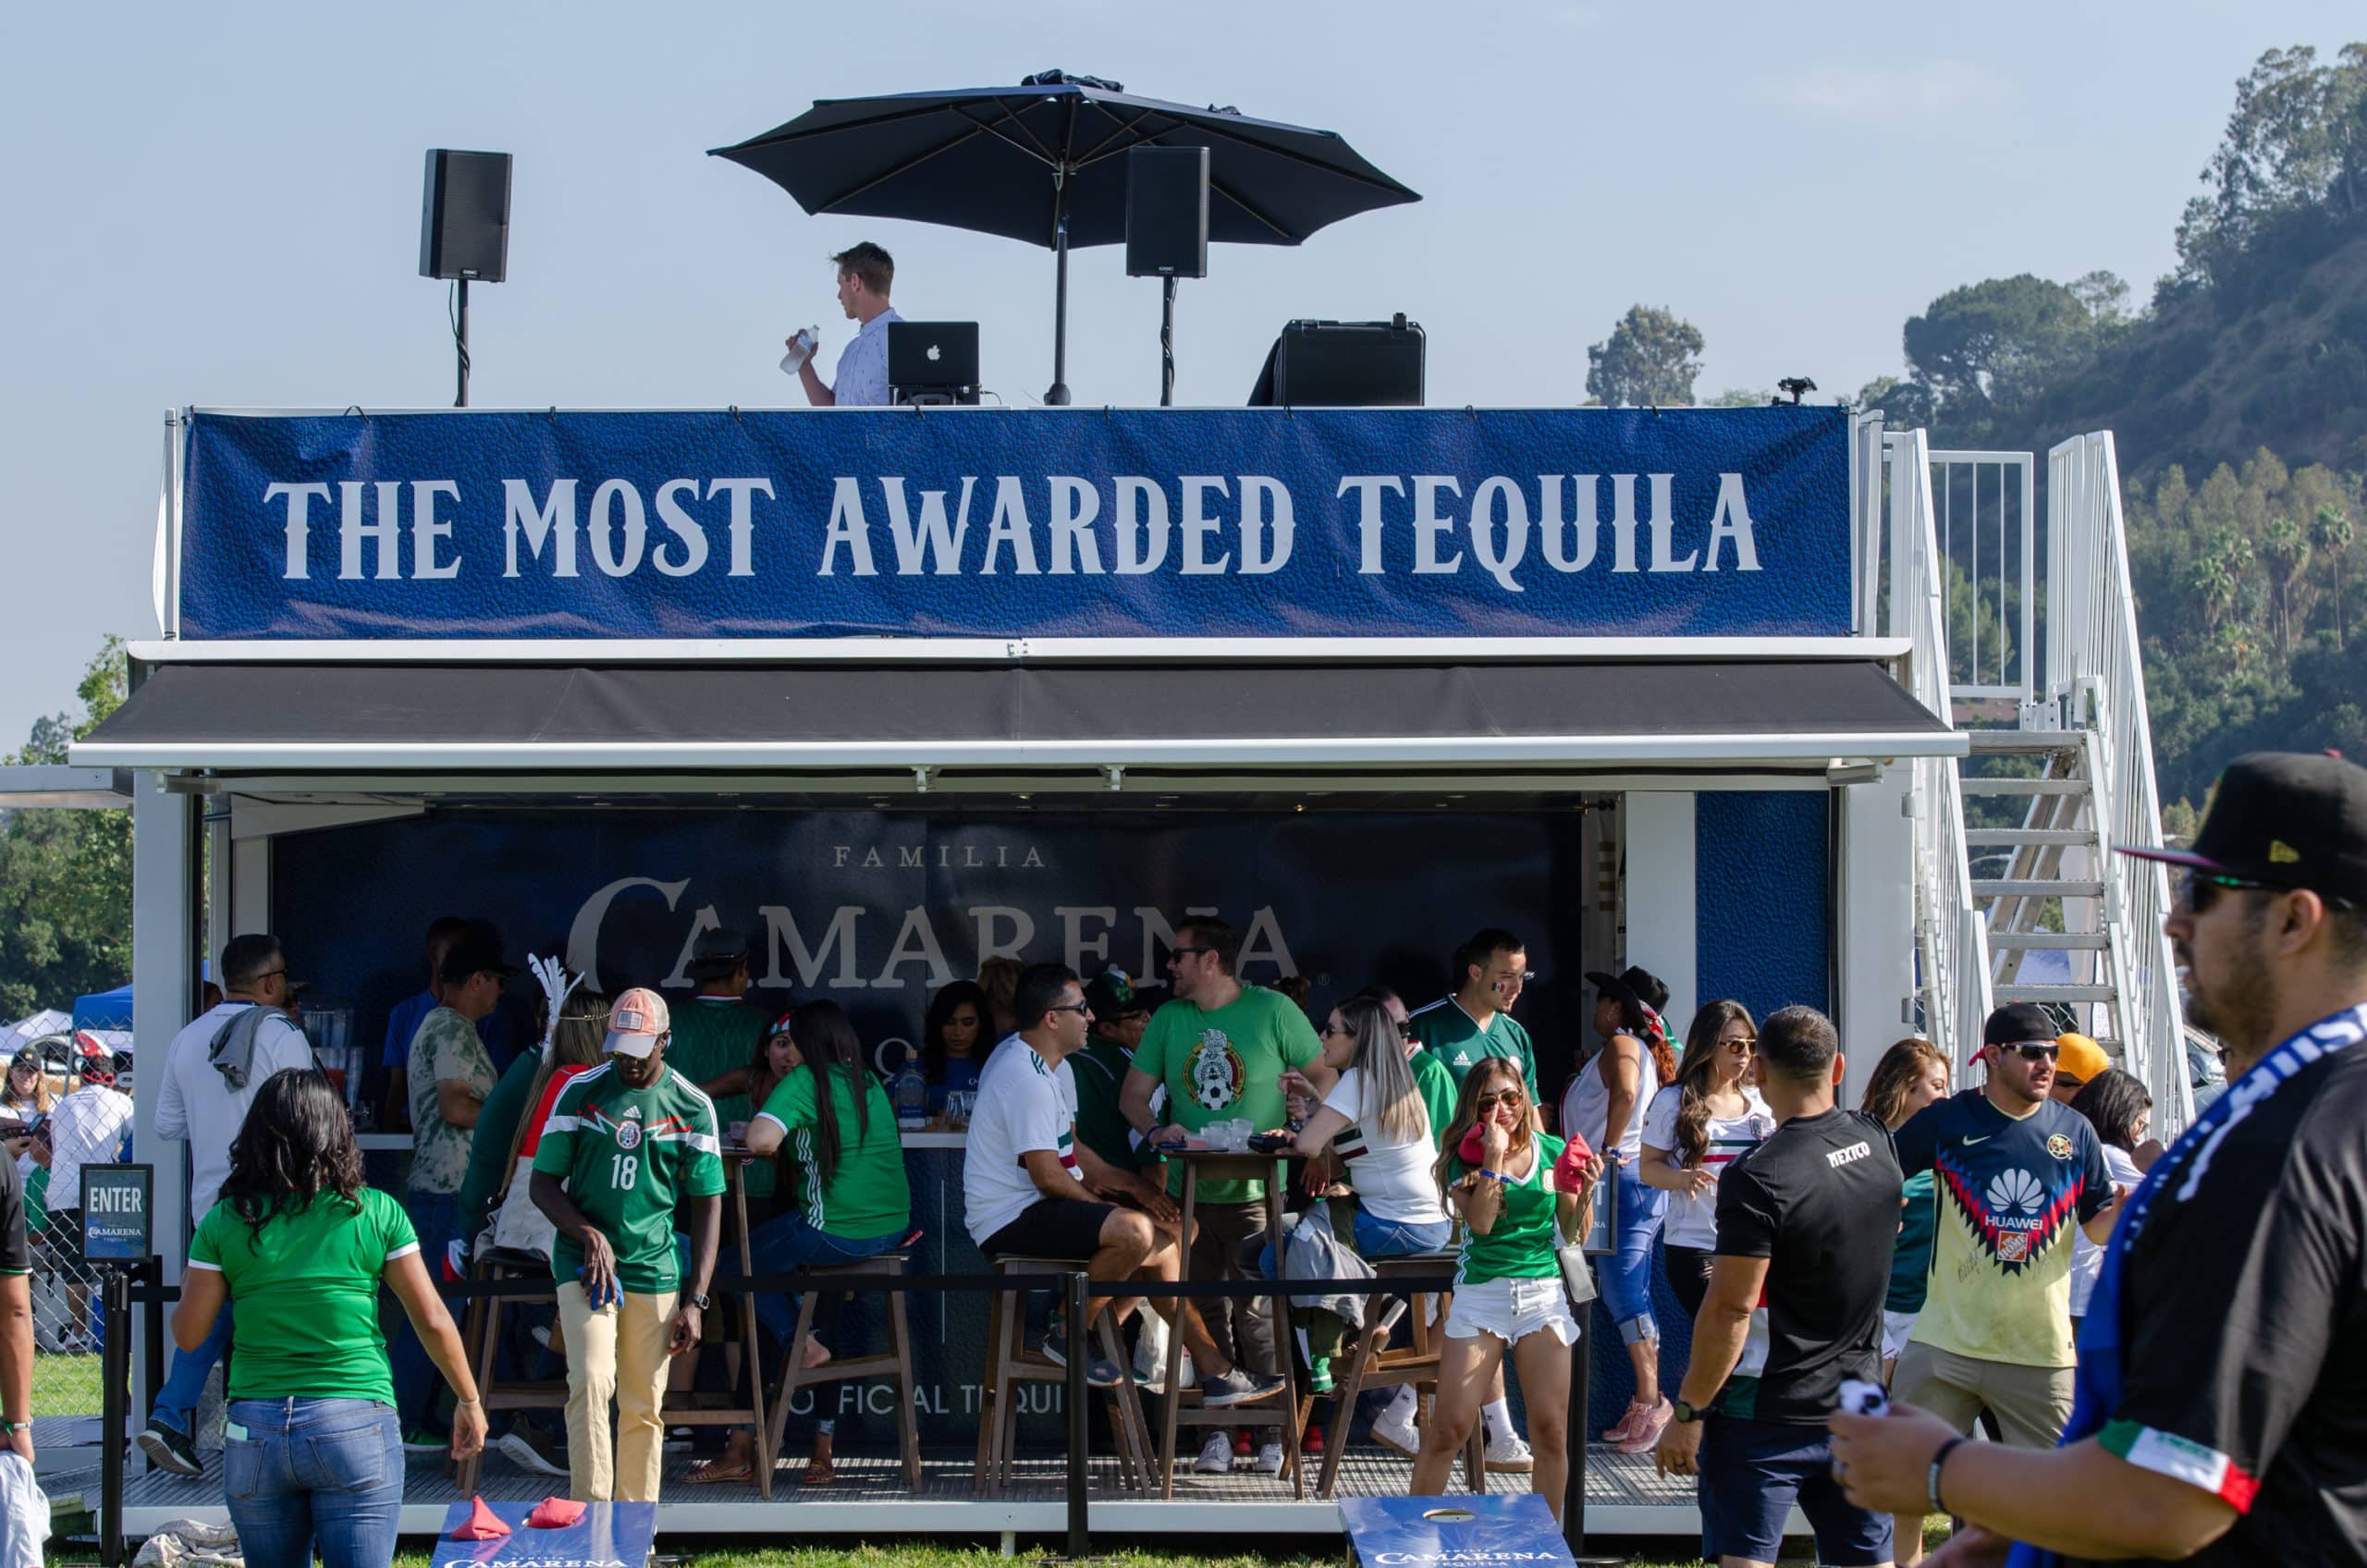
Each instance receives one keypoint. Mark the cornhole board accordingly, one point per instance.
(1453, 1532)
(610, 1535)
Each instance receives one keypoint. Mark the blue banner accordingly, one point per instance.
(1397, 522)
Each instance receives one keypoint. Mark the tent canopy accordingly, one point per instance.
(1181, 712)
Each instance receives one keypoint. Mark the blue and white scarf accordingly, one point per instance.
(2101, 1374)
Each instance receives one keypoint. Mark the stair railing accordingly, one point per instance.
(2096, 672)
(1951, 937)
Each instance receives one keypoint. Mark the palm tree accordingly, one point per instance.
(2212, 582)
(2330, 536)
(2286, 549)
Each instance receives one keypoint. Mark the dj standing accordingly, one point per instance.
(865, 275)
(2222, 1402)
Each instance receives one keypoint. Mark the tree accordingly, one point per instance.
(1741, 397)
(2213, 585)
(1998, 341)
(2296, 142)
(2330, 536)
(1652, 357)
(2285, 550)
(65, 875)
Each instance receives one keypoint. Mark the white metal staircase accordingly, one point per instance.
(2041, 910)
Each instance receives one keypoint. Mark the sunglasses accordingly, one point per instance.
(1084, 1007)
(2031, 1050)
(1341, 1029)
(2202, 890)
(1180, 952)
(1742, 1047)
(1511, 1098)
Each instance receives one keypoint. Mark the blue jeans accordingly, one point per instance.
(175, 1406)
(1379, 1238)
(785, 1242)
(298, 1471)
(1627, 1283)
(436, 1218)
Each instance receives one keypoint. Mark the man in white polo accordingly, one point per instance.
(865, 275)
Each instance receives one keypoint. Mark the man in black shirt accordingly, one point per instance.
(2221, 1407)
(1795, 1305)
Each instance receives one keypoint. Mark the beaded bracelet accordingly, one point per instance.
(1932, 1486)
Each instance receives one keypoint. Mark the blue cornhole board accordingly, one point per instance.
(610, 1535)
(1453, 1532)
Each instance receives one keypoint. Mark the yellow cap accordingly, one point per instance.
(2080, 1058)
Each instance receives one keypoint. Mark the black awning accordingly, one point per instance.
(779, 716)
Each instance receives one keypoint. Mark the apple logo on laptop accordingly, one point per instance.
(932, 355)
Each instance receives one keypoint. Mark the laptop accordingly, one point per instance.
(933, 362)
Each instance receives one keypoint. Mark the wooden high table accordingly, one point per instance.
(1213, 1165)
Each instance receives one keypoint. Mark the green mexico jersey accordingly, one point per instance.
(1439, 1092)
(1099, 1070)
(1521, 1245)
(1224, 1063)
(868, 1195)
(304, 1290)
(628, 1156)
(1448, 1033)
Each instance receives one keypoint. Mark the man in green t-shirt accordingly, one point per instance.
(715, 1030)
(1120, 1014)
(625, 1143)
(1476, 1022)
(1221, 1048)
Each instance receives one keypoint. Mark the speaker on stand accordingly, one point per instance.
(1167, 234)
(464, 232)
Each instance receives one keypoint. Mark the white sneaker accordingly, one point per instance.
(1216, 1455)
(1150, 1353)
(1509, 1455)
(1270, 1458)
(1397, 1433)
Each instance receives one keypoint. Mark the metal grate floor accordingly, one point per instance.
(1623, 1496)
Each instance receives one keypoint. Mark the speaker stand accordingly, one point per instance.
(461, 344)
(1166, 343)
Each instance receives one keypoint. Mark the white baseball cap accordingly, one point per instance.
(637, 1023)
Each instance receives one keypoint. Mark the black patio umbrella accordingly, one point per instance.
(1044, 162)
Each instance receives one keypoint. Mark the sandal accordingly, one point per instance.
(723, 1469)
(818, 1469)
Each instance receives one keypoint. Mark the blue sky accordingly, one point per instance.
(219, 205)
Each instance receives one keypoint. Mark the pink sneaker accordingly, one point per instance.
(1644, 1432)
(1626, 1423)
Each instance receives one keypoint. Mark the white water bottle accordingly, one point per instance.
(800, 349)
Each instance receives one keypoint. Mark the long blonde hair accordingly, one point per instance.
(1389, 1103)
(1896, 1074)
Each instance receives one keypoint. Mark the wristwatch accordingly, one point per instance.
(699, 1299)
(1686, 1413)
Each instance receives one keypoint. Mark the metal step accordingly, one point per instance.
(2025, 786)
(2056, 941)
(2006, 890)
(2023, 742)
(2014, 992)
(2069, 838)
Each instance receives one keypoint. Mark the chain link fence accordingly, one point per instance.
(70, 1323)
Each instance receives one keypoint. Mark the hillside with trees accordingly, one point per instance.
(2237, 397)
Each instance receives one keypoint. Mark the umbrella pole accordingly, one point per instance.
(1058, 397)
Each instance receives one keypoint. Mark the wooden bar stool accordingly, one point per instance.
(481, 1333)
(895, 1362)
(1376, 1364)
(1010, 1362)
(686, 1410)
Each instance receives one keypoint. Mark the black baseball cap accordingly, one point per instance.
(2018, 1023)
(472, 955)
(719, 953)
(1113, 994)
(2286, 819)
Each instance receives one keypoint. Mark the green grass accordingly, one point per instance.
(66, 1385)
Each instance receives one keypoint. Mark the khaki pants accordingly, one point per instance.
(2031, 1403)
(617, 1353)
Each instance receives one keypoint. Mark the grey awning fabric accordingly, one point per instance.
(538, 717)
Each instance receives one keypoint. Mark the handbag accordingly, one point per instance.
(518, 1225)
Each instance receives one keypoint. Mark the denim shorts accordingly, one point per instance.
(1751, 1473)
(1512, 1310)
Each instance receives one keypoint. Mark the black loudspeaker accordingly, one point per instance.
(464, 215)
(1344, 364)
(1167, 212)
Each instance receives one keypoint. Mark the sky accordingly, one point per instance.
(219, 206)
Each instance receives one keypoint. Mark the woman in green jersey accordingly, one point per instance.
(1518, 1194)
(314, 1455)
